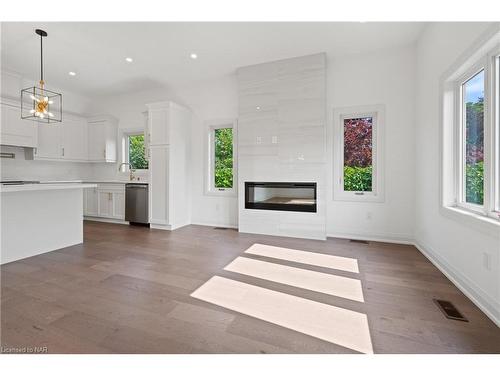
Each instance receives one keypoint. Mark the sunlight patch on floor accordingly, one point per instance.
(334, 285)
(330, 323)
(305, 257)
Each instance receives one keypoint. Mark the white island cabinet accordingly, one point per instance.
(40, 218)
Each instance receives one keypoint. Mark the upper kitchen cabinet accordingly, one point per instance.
(102, 139)
(49, 141)
(14, 130)
(66, 140)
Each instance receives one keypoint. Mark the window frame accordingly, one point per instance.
(495, 131)
(211, 127)
(483, 53)
(460, 129)
(126, 152)
(377, 113)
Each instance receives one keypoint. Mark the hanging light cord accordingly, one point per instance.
(41, 60)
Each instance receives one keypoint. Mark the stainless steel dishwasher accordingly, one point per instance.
(136, 203)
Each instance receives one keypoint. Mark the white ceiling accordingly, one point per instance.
(97, 51)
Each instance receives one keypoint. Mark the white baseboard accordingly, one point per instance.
(205, 224)
(376, 238)
(160, 226)
(481, 299)
(105, 220)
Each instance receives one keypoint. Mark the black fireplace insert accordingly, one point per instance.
(281, 196)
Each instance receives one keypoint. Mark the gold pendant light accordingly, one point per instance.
(38, 103)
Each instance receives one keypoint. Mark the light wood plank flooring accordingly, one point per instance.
(127, 290)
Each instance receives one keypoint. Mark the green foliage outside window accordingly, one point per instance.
(474, 148)
(474, 182)
(136, 152)
(357, 178)
(223, 168)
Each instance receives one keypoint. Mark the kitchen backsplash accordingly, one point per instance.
(21, 169)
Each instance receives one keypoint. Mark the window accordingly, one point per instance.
(472, 116)
(470, 137)
(135, 151)
(221, 158)
(358, 165)
(358, 146)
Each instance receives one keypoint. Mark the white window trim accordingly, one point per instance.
(125, 150)
(460, 136)
(377, 112)
(211, 126)
(483, 218)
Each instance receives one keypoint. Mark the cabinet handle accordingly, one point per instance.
(63, 151)
(35, 150)
(104, 153)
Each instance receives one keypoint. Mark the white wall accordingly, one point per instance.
(388, 78)
(457, 248)
(208, 101)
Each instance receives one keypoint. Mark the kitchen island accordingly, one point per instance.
(39, 218)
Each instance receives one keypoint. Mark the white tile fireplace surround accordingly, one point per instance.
(281, 138)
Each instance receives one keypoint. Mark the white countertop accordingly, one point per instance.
(95, 181)
(117, 182)
(45, 186)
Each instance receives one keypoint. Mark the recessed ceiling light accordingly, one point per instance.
(257, 108)
(72, 74)
(129, 59)
(194, 56)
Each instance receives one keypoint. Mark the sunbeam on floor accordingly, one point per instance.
(330, 323)
(327, 322)
(305, 257)
(334, 285)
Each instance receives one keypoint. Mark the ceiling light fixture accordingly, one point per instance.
(72, 74)
(194, 56)
(38, 103)
(129, 59)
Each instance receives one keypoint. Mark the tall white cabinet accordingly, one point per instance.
(168, 135)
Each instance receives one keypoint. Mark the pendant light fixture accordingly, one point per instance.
(38, 103)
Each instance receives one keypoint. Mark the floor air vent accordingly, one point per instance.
(220, 228)
(359, 241)
(449, 310)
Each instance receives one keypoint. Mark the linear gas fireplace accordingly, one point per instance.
(281, 196)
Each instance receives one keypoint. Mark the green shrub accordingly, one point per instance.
(357, 178)
(137, 157)
(223, 168)
(474, 183)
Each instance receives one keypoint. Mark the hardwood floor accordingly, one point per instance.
(127, 290)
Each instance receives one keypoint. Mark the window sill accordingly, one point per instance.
(219, 193)
(473, 220)
(346, 197)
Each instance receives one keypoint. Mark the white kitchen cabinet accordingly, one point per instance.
(14, 130)
(66, 140)
(74, 137)
(102, 139)
(118, 211)
(105, 203)
(90, 207)
(169, 127)
(110, 201)
(49, 141)
(158, 185)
